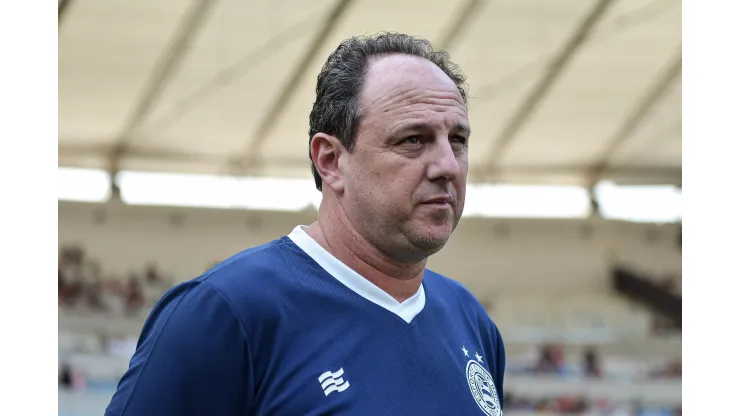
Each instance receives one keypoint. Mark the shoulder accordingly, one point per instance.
(196, 316)
(248, 284)
(256, 270)
(451, 291)
(251, 289)
(457, 296)
(263, 282)
(447, 287)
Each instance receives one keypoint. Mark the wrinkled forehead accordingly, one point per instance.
(399, 77)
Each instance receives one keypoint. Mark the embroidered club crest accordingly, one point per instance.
(483, 390)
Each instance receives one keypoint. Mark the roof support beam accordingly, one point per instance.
(543, 86)
(239, 69)
(453, 34)
(250, 155)
(639, 113)
(621, 24)
(161, 76)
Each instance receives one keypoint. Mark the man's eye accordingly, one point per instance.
(459, 139)
(412, 140)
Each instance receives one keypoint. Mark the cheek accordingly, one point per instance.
(460, 185)
(387, 179)
(406, 181)
(385, 171)
(367, 186)
(388, 194)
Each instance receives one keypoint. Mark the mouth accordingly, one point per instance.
(439, 201)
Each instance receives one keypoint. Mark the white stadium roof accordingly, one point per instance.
(562, 91)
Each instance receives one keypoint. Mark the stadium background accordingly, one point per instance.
(199, 109)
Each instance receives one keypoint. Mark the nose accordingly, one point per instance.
(444, 164)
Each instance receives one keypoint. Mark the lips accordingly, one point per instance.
(441, 200)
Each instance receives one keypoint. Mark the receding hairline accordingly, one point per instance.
(373, 59)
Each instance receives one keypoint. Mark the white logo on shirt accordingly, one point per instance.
(482, 387)
(331, 382)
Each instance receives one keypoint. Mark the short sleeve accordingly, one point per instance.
(192, 359)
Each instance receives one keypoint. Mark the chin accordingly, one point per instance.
(431, 239)
(429, 247)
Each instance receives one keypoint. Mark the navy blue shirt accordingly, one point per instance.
(287, 329)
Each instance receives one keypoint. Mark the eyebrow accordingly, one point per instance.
(462, 128)
(458, 127)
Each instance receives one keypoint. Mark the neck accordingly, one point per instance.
(336, 235)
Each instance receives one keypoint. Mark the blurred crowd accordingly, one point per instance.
(576, 405)
(83, 285)
(550, 360)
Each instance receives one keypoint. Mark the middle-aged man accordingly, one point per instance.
(341, 317)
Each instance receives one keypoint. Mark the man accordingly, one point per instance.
(341, 317)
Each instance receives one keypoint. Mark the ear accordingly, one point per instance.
(325, 152)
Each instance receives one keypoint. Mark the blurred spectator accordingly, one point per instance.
(571, 404)
(82, 284)
(152, 274)
(591, 363)
(672, 369)
(70, 287)
(95, 296)
(134, 296)
(72, 255)
(65, 377)
(551, 360)
(663, 326)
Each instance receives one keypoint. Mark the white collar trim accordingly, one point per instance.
(406, 310)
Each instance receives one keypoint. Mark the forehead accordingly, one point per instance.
(403, 87)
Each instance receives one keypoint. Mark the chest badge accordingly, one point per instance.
(481, 386)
